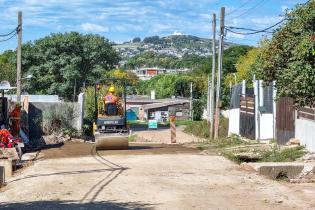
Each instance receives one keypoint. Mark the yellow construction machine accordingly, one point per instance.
(110, 124)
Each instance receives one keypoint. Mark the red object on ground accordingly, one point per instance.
(15, 116)
(7, 140)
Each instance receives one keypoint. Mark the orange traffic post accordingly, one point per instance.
(173, 129)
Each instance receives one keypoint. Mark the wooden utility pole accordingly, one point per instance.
(19, 53)
(212, 87)
(191, 102)
(208, 98)
(220, 56)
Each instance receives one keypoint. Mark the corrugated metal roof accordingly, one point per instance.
(163, 104)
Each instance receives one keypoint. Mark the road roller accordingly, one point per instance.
(110, 125)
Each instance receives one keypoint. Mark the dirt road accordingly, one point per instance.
(147, 177)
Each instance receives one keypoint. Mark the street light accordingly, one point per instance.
(30, 76)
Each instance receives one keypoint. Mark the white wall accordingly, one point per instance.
(266, 126)
(234, 121)
(305, 132)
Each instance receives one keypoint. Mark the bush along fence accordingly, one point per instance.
(256, 114)
(48, 117)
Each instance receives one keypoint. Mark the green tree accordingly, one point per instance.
(245, 67)
(231, 56)
(61, 61)
(288, 57)
(8, 66)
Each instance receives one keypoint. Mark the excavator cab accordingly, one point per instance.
(110, 125)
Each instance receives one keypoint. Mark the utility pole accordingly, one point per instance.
(19, 53)
(220, 56)
(190, 103)
(208, 98)
(74, 89)
(212, 88)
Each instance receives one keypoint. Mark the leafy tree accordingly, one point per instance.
(245, 67)
(231, 56)
(61, 61)
(152, 39)
(8, 66)
(288, 57)
(136, 39)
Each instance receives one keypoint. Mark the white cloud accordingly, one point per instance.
(177, 33)
(91, 27)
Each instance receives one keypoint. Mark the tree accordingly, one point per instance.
(8, 66)
(60, 62)
(231, 56)
(152, 39)
(288, 57)
(245, 67)
(136, 39)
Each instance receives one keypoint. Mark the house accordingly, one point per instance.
(146, 108)
(148, 73)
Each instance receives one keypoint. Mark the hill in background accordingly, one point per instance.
(176, 46)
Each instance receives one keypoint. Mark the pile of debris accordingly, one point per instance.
(55, 138)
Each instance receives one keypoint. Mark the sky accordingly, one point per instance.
(122, 20)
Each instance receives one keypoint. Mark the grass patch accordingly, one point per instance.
(202, 128)
(285, 155)
(228, 142)
(132, 138)
(273, 155)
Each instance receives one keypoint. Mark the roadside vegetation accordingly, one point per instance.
(202, 128)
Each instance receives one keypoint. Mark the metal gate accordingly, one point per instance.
(247, 116)
(285, 117)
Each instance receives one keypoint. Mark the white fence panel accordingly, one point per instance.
(305, 132)
(234, 121)
(266, 126)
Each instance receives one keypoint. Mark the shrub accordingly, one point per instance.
(59, 118)
(202, 128)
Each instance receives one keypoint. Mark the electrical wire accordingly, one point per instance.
(246, 29)
(250, 9)
(228, 28)
(233, 11)
(8, 34)
(7, 39)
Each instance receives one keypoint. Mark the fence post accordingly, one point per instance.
(81, 109)
(261, 93)
(256, 95)
(243, 87)
(274, 110)
(173, 129)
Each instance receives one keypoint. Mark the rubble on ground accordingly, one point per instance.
(294, 142)
(55, 138)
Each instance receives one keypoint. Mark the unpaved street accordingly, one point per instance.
(146, 177)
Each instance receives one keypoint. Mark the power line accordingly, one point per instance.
(233, 11)
(250, 9)
(228, 28)
(8, 34)
(246, 29)
(7, 39)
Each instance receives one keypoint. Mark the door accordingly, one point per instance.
(285, 117)
(247, 116)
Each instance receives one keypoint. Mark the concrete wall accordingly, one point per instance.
(234, 121)
(305, 132)
(36, 98)
(36, 118)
